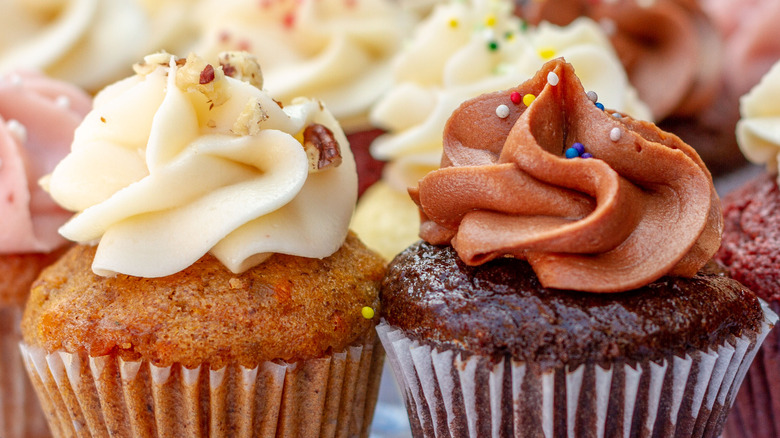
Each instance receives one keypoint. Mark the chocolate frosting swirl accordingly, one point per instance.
(643, 207)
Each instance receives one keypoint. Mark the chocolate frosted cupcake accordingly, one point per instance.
(563, 285)
(225, 295)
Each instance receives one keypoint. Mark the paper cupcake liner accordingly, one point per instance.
(20, 414)
(448, 394)
(332, 396)
(756, 410)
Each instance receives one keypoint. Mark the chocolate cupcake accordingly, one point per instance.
(563, 287)
(750, 251)
(215, 289)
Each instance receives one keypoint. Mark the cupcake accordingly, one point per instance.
(673, 53)
(750, 251)
(461, 50)
(562, 286)
(215, 289)
(37, 119)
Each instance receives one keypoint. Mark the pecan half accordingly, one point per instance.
(321, 147)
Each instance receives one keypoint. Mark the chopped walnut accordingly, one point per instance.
(321, 147)
(248, 122)
(197, 75)
(242, 66)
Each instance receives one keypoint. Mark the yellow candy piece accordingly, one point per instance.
(528, 99)
(547, 53)
(453, 23)
(490, 21)
(367, 312)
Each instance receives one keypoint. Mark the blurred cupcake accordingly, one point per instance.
(225, 296)
(461, 50)
(37, 119)
(673, 54)
(561, 288)
(751, 251)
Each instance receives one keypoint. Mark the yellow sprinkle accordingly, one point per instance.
(547, 53)
(490, 21)
(528, 99)
(453, 22)
(367, 312)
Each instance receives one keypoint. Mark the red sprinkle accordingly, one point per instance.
(289, 20)
(515, 97)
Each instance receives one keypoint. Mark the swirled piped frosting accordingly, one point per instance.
(758, 130)
(670, 48)
(37, 118)
(642, 207)
(335, 50)
(186, 158)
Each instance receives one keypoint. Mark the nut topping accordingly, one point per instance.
(321, 147)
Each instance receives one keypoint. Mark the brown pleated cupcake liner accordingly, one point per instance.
(450, 395)
(756, 410)
(332, 396)
(20, 413)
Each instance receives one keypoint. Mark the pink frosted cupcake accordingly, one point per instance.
(37, 119)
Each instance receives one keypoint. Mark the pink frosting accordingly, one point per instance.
(37, 118)
(752, 38)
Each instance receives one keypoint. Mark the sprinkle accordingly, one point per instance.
(523, 25)
(572, 153)
(528, 99)
(615, 134)
(288, 20)
(509, 36)
(617, 115)
(586, 155)
(453, 23)
(502, 111)
(600, 106)
(547, 53)
(608, 26)
(490, 20)
(552, 78)
(492, 46)
(579, 147)
(593, 96)
(62, 102)
(17, 130)
(367, 312)
(515, 97)
(103, 119)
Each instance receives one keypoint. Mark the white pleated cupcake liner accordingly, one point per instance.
(332, 396)
(448, 394)
(20, 413)
(756, 410)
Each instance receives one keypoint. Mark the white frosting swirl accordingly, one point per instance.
(336, 50)
(758, 131)
(450, 60)
(161, 177)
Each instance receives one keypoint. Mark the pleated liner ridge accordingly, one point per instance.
(450, 395)
(333, 396)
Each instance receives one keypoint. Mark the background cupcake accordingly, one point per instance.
(463, 49)
(520, 315)
(37, 118)
(225, 295)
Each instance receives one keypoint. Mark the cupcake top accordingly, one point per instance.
(464, 49)
(37, 119)
(186, 158)
(594, 200)
(758, 134)
(335, 50)
(670, 48)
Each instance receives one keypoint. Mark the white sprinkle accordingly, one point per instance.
(608, 26)
(502, 111)
(552, 78)
(63, 101)
(645, 3)
(593, 96)
(615, 134)
(17, 130)
(617, 115)
(15, 80)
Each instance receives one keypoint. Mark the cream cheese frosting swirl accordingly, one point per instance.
(336, 50)
(183, 159)
(758, 130)
(37, 118)
(642, 207)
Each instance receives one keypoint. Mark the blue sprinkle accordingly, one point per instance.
(586, 155)
(600, 106)
(580, 148)
(572, 153)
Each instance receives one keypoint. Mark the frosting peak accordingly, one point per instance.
(644, 206)
(183, 159)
